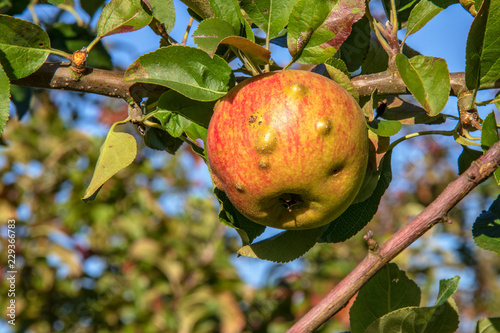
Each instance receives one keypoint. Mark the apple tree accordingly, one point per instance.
(171, 94)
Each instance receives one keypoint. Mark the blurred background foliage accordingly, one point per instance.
(125, 263)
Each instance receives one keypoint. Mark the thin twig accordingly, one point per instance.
(436, 212)
(186, 34)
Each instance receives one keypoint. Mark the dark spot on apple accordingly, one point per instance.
(252, 119)
(239, 187)
(260, 122)
(290, 201)
(335, 170)
(264, 162)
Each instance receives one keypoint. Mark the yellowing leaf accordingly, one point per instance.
(117, 152)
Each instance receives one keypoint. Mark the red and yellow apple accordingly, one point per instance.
(289, 149)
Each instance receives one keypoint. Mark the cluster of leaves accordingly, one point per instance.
(333, 35)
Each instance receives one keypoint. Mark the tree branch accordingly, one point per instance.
(436, 212)
(110, 83)
(95, 81)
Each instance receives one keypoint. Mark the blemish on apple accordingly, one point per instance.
(297, 90)
(323, 126)
(239, 187)
(266, 141)
(264, 162)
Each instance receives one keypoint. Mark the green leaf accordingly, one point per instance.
(229, 11)
(390, 289)
(488, 325)
(489, 136)
(359, 214)
(210, 32)
(428, 80)
(24, 47)
(4, 98)
(283, 247)
(196, 111)
(269, 15)
(91, 6)
(440, 318)
(120, 16)
(355, 49)
(466, 158)
(158, 139)
(188, 70)
(339, 64)
(338, 76)
(230, 216)
(163, 11)
(256, 53)
(482, 56)
(384, 127)
(486, 228)
(423, 12)
(317, 29)
(447, 287)
(176, 125)
(117, 152)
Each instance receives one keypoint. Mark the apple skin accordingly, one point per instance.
(289, 149)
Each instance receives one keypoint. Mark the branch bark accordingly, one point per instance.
(95, 81)
(436, 212)
(112, 84)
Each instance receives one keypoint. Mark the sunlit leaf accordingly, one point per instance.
(488, 325)
(210, 32)
(428, 80)
(229, 11)
(120, 16)
(117, 152)
(4, 98)
(24, 46)
(269, 15)
(384, 127)
(439, 318)
(338, 76)
(317, 29)
(188, 70)
(489, 136)
(163, 11)
(256, 53)
(482, 65)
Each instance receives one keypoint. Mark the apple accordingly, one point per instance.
(289, 149)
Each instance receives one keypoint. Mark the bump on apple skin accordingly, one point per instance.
(289, 148)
